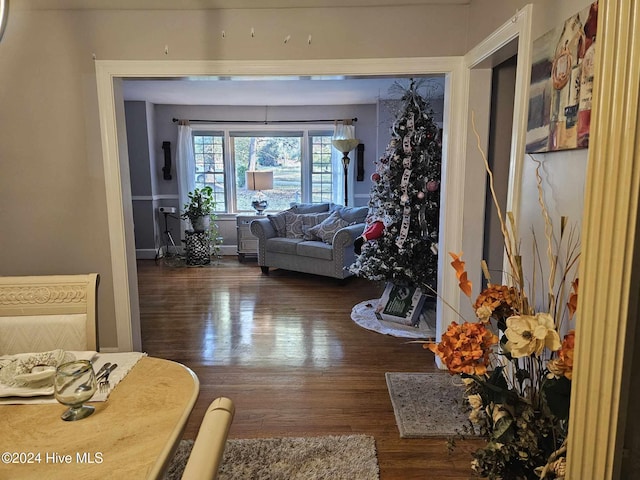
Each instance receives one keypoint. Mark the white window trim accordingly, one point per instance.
(229, 172)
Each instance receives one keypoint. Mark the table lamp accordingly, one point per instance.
(259, 180)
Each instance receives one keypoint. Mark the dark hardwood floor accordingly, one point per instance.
(285, 349)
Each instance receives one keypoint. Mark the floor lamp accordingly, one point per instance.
(345, 145)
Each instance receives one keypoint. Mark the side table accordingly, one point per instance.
(247, 243)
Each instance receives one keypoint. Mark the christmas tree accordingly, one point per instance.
(400, 242)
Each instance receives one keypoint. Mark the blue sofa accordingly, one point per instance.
(310, 238)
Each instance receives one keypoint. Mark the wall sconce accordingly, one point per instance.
(345, 145)
(258, 181)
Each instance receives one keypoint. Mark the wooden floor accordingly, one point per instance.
(284, 348)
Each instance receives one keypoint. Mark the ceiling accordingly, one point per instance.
(213, 4)
(274, 91)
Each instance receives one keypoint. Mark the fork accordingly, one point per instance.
(104, 384)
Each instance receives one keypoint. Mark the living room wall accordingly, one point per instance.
(563, 173)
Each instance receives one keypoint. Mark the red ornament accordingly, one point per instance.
(375, 177)
(420, 195)
(433, 185)
(373, 230)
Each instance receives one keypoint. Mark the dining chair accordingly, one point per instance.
(208, 448)
(47, 312)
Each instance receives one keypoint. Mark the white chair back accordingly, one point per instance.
(41, 313)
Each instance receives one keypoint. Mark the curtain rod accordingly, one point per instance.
(265, 122)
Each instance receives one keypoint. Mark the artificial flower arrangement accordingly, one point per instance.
(516, 368)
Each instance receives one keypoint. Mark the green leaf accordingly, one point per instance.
(556, 393)
(502, 428)
(522, 375)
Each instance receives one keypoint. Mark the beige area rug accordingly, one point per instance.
(428, 405)
(346, 457)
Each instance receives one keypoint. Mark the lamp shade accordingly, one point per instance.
(345, 145)
(259, 179)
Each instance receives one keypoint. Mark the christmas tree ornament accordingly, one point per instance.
(372, 232)
(375, 177)
(432, 185)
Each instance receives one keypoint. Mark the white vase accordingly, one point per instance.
(201, 224)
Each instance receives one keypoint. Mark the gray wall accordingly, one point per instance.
(149, 190)
(139, 121)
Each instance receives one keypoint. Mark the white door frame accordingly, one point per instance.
(487, 54)
(109, 75)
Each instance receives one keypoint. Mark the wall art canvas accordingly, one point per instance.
(562, 84)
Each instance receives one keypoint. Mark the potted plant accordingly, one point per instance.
(199, 209)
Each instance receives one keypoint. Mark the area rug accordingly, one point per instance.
(428, 405)
(345, 457)
(364, 314)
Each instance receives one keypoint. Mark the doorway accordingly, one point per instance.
(503, 86)
(110, 78)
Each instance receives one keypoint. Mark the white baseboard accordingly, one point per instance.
(228, 250)
(145, 254)
(148, 254)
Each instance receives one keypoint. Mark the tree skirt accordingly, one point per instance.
(330, 457)
(364, 314)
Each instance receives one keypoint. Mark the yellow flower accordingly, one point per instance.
(528, 334)
(484, 313)
(475, 401)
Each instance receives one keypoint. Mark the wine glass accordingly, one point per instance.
(74, 384)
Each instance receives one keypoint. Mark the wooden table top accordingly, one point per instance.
(130, 436)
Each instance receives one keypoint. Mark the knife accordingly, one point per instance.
(105, 373)
(102, 369)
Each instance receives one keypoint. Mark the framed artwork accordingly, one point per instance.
(561, 86)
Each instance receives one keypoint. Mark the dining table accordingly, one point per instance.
(131, 435)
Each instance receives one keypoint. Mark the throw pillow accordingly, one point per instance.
(278, 222)
(297, 224)
(311, 220)
(309, 207)
(328, 228)
(351, 214)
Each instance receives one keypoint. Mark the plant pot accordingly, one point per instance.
(201, 224)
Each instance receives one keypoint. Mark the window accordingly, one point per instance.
(300, 161)
(281, 154)
(208, 154)
(321, 172)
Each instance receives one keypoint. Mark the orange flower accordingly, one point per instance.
(458, 265)
(465, 348)
(563, 365)
(572, 304)
(500, 300)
